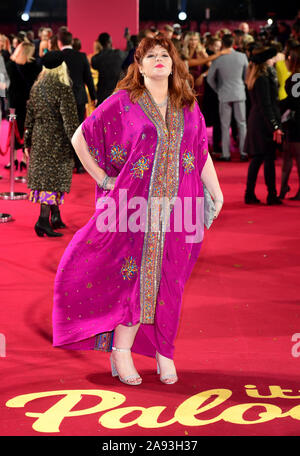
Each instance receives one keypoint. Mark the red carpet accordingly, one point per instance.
(234, 357)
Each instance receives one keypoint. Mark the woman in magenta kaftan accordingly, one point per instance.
(129, 141)
(125, 276)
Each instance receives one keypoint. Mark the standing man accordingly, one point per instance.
(226, 76)
(108, 62)
(80, 73)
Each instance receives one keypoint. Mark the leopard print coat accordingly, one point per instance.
(51, 120)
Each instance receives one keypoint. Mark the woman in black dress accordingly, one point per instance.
(290, 106)
(22, 70)
(264, 127)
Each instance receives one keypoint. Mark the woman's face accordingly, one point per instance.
(157, 63)
(216, 46)
(193, 41)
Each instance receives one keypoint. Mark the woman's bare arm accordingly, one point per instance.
(210, 180)
(204, 60)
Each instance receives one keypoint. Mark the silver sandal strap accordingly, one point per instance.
(169, 376)
(131, 377)
(121, 349)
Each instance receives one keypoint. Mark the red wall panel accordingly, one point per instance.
(87, 19)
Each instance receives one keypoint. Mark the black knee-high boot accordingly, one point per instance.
(43, 226)
(56, 220)
(253, 169)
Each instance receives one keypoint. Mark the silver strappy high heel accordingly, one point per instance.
(127, 380)
(168, 379)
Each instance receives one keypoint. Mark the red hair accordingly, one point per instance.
(180, 81)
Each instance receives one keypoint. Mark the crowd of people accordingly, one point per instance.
(161, 80)
(244, 80)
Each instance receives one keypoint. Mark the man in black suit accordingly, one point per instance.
(108, 63)
(80, 73)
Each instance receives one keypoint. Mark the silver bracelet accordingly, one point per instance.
(104, 182)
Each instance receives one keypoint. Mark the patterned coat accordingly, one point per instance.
(51, 121)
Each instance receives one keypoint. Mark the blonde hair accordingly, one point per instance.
(6, 42)
(26, 48)
(221, 32)
(247, 39)
(199, 49)
(97, 47)
(61, 73)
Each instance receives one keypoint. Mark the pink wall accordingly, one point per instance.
(87, 19)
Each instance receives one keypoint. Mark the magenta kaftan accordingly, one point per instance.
(124, 276)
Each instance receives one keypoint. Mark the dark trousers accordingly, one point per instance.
(20, 112)
(217, 134)
(269, 173)
(81, 115)
(81, 112)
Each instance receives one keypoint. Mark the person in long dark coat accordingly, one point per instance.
(51, 121)
(80, 74)
(22, 70)
(264, 126)
(108, 62)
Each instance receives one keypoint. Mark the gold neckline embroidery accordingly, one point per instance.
(164, 182)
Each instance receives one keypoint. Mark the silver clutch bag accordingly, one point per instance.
(209, 208)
